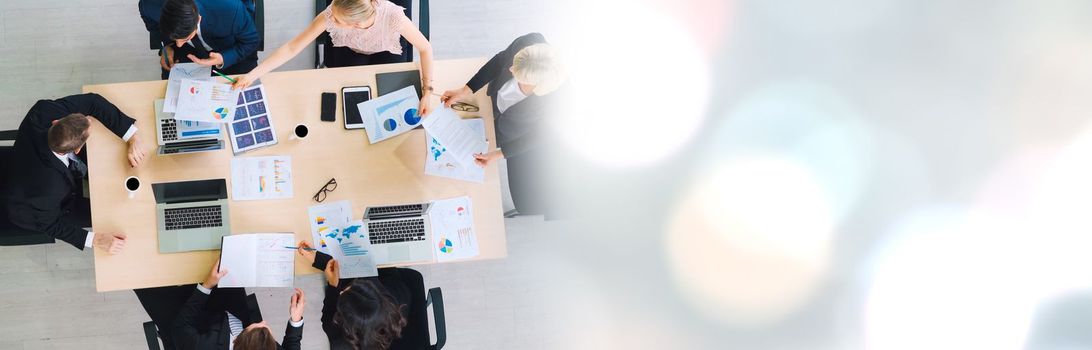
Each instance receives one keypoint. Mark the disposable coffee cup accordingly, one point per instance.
(300, 132)
(132, 184)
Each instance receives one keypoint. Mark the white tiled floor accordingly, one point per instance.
(50, 48)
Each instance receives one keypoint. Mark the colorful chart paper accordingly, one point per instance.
(452, 223)
(438, 162)
(261, 178)
(251, 125)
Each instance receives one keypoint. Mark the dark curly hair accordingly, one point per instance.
(368, 315)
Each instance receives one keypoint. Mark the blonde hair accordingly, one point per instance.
(355, 11)
(540, 66)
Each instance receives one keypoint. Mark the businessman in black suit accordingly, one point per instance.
(217, 33)
(213, 318)
(525, 83)
(44, 191)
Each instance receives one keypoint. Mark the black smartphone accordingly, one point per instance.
(329, 103)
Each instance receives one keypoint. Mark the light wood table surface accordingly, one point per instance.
(388, 172)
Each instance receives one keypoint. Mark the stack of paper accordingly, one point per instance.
(452, 223)
(439, 162)
(205, 101)
(182, 71)
(461, 142)
(335, 233)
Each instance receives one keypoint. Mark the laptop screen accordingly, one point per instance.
(190, 191)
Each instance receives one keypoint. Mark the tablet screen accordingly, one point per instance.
(352, 98)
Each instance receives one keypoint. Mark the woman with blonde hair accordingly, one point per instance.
(363, 32)
(523, 82)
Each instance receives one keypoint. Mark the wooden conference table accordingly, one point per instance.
(388, 172)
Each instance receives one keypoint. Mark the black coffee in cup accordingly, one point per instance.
(301, 131)
(132, 183)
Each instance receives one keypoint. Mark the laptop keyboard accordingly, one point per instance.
(394, 231)
(196, 217)
(394, 211)
(170, 129)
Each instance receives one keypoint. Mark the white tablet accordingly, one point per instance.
(350, 97)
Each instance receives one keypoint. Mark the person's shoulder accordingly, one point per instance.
(525, 41)
(220, 7)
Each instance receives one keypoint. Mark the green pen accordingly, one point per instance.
(224, 76)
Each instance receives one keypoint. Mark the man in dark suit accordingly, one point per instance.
(216, 33)
(213, 318)
(44, 191)
(525, 86)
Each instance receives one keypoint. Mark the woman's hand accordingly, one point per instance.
(244, 81)
(333, 270)
(306, 254)
(425, 107)
(214, 276)
(484, 159)
(451, 96)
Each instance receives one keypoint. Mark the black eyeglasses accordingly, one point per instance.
(464, 107)
(330, 187)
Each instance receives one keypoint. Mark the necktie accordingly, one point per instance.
(78, 169)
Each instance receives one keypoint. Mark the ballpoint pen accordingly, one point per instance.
(304, 248)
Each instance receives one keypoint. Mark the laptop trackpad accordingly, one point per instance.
(399, 252)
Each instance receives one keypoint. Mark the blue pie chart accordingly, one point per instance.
(411, 116)
(390, 124)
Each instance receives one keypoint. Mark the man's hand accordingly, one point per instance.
(451, 96)
(110, 242)
(296, 305)
(306, 254)
(333, 270)
(166, 58)
(136, 151)
(215, 59)
(483, 160)
(214, 276)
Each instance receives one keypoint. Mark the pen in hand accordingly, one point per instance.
(304, 248)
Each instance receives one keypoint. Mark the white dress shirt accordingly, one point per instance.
(509, 95)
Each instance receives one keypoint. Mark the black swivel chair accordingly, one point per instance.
(9, 233)
(257, 11)
(162, 305)
(324, 42)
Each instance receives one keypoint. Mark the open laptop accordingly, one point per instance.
(173, 139)
(399, 233)
(191, 215)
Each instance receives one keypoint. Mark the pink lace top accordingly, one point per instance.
(382, 36)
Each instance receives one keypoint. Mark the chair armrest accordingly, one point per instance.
(8, 135)
(259, 22)
(435, 298)
(151, 335)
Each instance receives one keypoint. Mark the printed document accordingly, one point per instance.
(257, 260)
(461, 141)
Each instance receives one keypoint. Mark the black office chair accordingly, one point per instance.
(11, 235)
(435, 299)
(323, 40)
(162, 305)
(257, 11)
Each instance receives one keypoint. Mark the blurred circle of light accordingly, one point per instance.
(632, 106)
(950, 279)
(813, 123)
(750, 241)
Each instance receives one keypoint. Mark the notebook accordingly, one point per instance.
(257, 260)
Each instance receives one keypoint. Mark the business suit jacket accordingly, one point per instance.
(39, 186)
(226, 25)
(195, 329)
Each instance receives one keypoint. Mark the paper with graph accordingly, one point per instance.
(461, 141)
(180, 71)
(206, 101)
(390, 115)
(335, 233)
(257, 260)
(439, 162)
(261, 178)
(452, 224)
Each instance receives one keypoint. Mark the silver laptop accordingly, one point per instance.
(173, 141)
(399, 233)
(191, 215)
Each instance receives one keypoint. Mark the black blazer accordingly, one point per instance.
(519, 128)
(191, 320)
(39, 185)
(405, 286)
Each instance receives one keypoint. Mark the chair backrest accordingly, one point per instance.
(10, 234)
(407, 49)
(257, 12)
